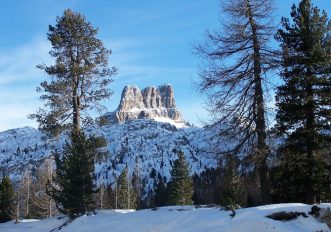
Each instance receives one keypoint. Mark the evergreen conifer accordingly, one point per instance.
(74, 188)
(7, 198)
(126, 194)
(79, 78)
(304, 101)
(160, 193)
(180, 188)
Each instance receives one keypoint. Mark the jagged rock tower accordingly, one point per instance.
(150, 103)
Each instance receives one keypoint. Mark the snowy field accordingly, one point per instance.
(183, 219)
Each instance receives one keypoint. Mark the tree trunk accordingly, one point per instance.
(76, 106)
(28, 196)
(116, 198)
(262, 150)
(310, 145)
(75, 85)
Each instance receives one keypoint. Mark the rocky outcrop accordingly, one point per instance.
(131, 98)
(150, 103)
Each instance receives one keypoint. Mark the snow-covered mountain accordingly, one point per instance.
(147, 145)
(141, 143)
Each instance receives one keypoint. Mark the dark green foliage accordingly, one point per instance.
(126, 195)
(304, 100)
(110, 198)
(136, 185)
(7, 198)
(73, 189)
(180, 188)
(222, 185)
(290, 176)
(79, 78)
(160, 196)
(206, 186)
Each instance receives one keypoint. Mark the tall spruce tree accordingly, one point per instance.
(73, 187)
(126, 194)
(79, 78)
(238, 57)
(7, 199)
(304, 102)
(180, 188)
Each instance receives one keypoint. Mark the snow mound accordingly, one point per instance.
(29, 220)
(178, 218)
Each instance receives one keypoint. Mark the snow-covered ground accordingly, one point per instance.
(177, 218)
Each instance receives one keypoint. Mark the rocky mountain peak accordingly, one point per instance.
(149, 103)
(131, 98)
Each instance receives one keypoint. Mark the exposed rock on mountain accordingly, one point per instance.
(150, 103)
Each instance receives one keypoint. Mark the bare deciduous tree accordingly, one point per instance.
(24, 194)
(44, 205)
(233, 77)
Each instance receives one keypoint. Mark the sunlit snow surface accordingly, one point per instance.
(181, 219)
(170, 121)
(147, 145)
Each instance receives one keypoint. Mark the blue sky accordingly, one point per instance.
(151, 42)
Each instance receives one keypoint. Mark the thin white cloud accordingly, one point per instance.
(18, 80)
(20, 64)
(16, 117)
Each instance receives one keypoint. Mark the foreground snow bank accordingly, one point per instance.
(183, 219)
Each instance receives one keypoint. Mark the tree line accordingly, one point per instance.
(33, 198)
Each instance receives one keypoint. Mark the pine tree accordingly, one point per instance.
(79, 77)
(160, 192)
(79, 81)
(304, 100)
(126, 195)
(7, 199)
(73, 187)
(180, 188)
(238, 58)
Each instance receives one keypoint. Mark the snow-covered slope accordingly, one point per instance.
(183, 219)
(153, 146)
(147, 145)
